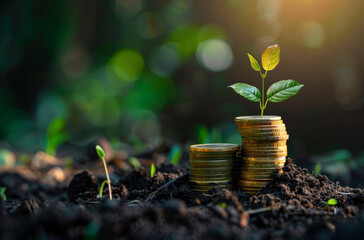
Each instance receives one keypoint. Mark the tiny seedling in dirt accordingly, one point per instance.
(278, 91)
(101, 154)
(317, 169)
(2, 193)
(331, 202)
(223, 204)
(152, 170)
(102, 188)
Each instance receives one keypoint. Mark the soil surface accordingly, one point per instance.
(64, 204)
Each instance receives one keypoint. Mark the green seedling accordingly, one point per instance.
(331, 202)
(134, 162)
(317, 169)
(56, 135)
(223, 204)
(102, 188)
(175, 154)
(152, 170)
(101, 154)
(2, 193)
(278, 91)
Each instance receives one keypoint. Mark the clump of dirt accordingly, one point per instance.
(83, 184)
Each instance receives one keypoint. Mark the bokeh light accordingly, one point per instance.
(215, 55)
(128, 64)
(312, 34)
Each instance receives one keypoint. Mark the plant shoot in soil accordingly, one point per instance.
(2, 193)
(278, 91)
(331, 202)
(102, 188)
(152, 170)
(101, 154)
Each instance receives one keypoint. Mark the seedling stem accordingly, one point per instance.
(101, 154)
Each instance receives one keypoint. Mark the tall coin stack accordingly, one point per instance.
(212, 166)
(264, 150)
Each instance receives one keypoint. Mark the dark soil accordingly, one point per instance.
(291, 206)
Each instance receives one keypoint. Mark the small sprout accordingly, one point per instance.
(101, 154)
(2, 193)
(152, 170)
(317, 169)
(223, 204)
(278, 91)
(102, 188)
(331, 202)
(175, 154)
(134, 162)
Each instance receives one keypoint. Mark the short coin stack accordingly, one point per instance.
(264, 150)
(212, 165)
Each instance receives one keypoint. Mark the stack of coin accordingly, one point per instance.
(264, 150)
(212, 165)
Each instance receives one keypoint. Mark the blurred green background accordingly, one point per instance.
(143, 72)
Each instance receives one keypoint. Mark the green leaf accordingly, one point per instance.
(249, 92)
(152, 170)
(175, 154)
(100, 151)
(254, 63)
(102, 188)
(2, 193)
(317, 169)
(223, 204)
(270, 57)
(283, 90)
(331, 202)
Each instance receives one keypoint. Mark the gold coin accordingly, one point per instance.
(207, 188)
(263, 134)
(277, 148)
(257, 119)
(266, 138)
(263, 145)
(259, 170)
(266, 165)
(245, 141)
(209, 183)
(214, 155)
(210, 165)
(253, 183)
(265, 177)
(242, 126)
(264, 159)
(215, 147)
(265, 154)
(261, 130)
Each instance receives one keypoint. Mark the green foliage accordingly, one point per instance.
(175, 154)
(223, 204)
(2, 193)
(283, 90)
(331, 202)
(202, 134)
(249, 92)
(102, 188)
(135, 163)
(100, 151)
(278, 92)
(56, 135)
(92, 231)
(255, 65)
(317, 169)
(152, 170)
